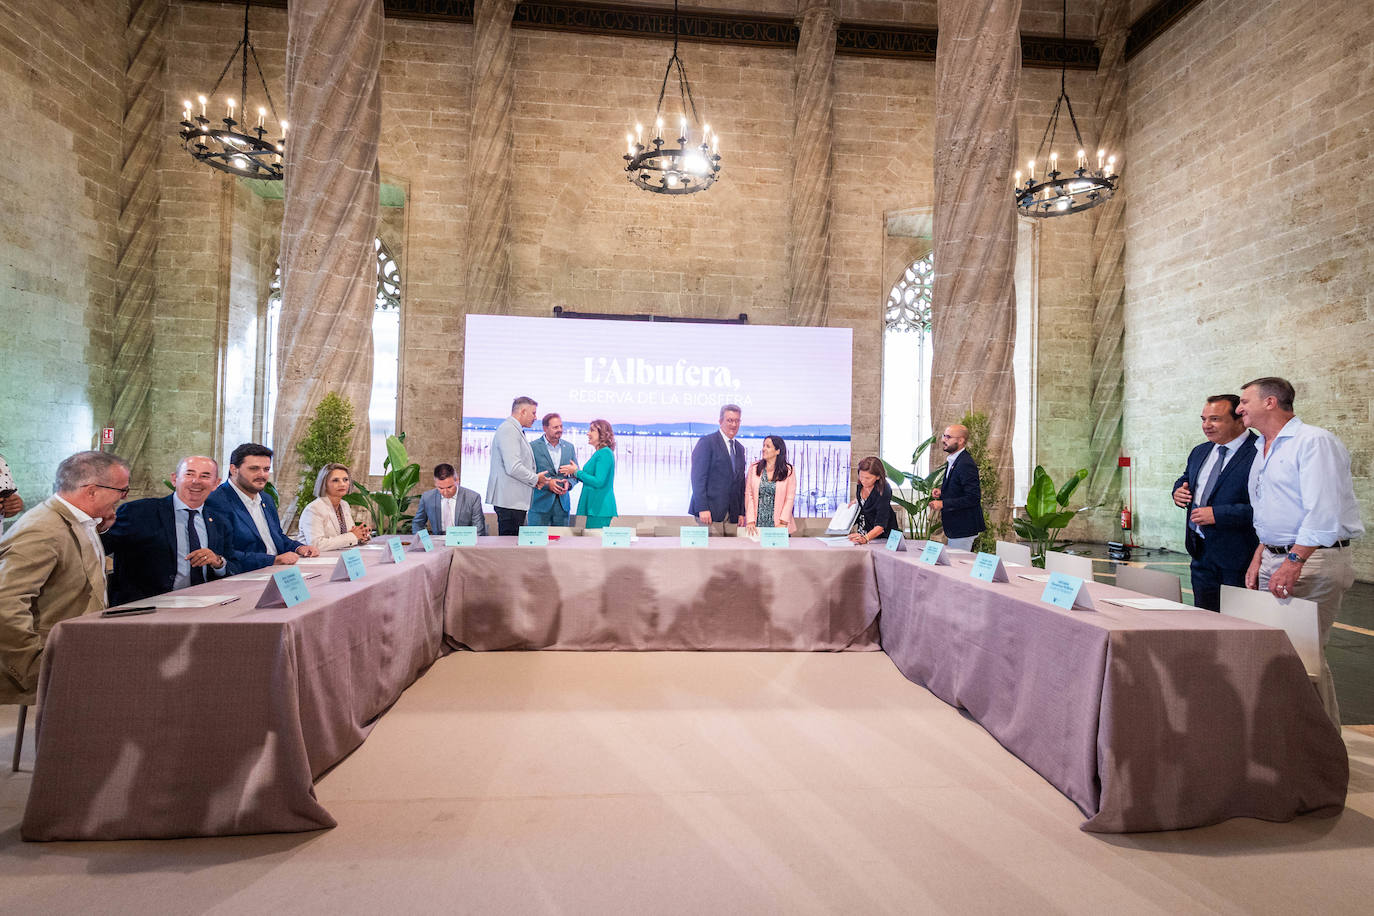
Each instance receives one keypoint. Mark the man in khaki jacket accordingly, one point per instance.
(52, 565)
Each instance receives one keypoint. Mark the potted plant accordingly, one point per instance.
(1047, 512)
(921, 524)
(327, 440)
(389, 505)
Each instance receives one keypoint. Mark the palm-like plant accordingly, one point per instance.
(1047, 512)
(389, 506)
(912, 492)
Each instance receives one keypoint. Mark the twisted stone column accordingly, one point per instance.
(131, 364)
(1109, 242)
(490, 190)
(811, 141)
(973, 308)
(329, 269)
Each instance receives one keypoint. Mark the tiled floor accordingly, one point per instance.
(1350, 652)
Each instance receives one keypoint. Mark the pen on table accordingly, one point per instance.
(228, 601)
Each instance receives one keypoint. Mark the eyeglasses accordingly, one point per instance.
(122, 491)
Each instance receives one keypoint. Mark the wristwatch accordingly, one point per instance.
(1295, 558)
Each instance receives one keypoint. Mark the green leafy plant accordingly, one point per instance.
(913, 493)
(327, 440)
(389, 505)
(1047, 512)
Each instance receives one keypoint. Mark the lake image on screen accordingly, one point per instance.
(653, 471)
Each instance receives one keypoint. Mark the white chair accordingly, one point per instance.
(1154, 582)
(1069, 565)
(1295, 616)
(1014, 553)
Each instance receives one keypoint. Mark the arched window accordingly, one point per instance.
(386, 356)
(906, 364)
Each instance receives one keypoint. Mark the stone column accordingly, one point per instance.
(131, 365)
(812, 135)
(493, 77)
(1109, 243)
(973, 309)
(329, 270)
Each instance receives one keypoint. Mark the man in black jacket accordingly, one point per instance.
(960, 498)
(163, 544)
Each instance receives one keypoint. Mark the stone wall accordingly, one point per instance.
(61, 70)
(1248, 243)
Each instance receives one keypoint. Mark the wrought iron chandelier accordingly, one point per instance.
(688, 167)
(1059, 192)
(235, 148)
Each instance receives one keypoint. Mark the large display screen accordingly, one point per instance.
(661, 386)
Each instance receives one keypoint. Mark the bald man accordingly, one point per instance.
(960, 498)
(171, 542)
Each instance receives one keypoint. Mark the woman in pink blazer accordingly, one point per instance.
(770, 489)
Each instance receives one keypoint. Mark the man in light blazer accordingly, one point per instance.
(718, 475)
(165, 543)
(52, 565)
(550, 505)
(513, 477)
(243, 503)
(448, 504)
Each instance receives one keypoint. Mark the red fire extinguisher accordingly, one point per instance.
(1125, 517)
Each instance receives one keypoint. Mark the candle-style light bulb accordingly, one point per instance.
(1054, 163)
(639, 134)
(1031, 167)
(231, 109)
(1111, 164)
(658, 129)
(203, 101)
(284, 125)
(262, 113)
(1082, 160)
(715, 144)
(1018, 179)
(1100, 154)
(683, 122)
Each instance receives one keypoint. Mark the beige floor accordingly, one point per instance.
(695, 782)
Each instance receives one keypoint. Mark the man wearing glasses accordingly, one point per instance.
(52, 565)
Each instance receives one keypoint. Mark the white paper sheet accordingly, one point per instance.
(1150, 604)
(842, 519)
(189, 600)
(1039, 577)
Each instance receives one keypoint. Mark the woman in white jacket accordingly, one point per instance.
(327, 523)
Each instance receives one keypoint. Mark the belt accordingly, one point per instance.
(1283, 550)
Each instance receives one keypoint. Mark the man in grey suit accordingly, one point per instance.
(513, 477)
(52, 565)
(550, 505)
(447, 505)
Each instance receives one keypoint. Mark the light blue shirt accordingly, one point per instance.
(183, 577)
(1301, 491)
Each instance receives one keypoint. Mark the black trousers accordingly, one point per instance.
(1208, 579)
(508, 521)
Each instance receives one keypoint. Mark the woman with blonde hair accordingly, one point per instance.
(597, 503)
(327, 523)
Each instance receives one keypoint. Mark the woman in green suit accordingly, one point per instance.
(597, 503)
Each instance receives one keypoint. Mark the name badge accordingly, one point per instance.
(616, 537)
(894, 540)
(398, 550)
(426, 542)
(1067, 592)
(286, 588)
(934, 554)
(773, 537)
(350, 566)
(460, 536)
(533, 536)
(989, 568)
(693, 536)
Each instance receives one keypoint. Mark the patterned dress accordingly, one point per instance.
(767, 491)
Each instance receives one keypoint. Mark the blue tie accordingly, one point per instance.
(193, 540)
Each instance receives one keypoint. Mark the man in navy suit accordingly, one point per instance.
(959, 499)
(255, 531)
(1220, 533)
(550, 505)
(163, 544)
(718, 475)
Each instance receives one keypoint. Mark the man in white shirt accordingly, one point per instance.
(256, 537)
(1305, 511)
(447, 505)
(52, 565)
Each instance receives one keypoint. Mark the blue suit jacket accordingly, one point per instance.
(143, 543)
(961, 496)
(244, 539)
(543, 500)
(1231, 542)
(716, 484)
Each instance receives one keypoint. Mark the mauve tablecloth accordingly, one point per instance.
(655, 594)
(1147, 720)
(216, 721)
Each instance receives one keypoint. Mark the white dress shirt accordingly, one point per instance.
(257, 513)
(449, 506)
(1301, 491)
(183, 576)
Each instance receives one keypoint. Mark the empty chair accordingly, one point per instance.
(1154, 582)
(1069, 565)
(1295, 616)
(1014, 553)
